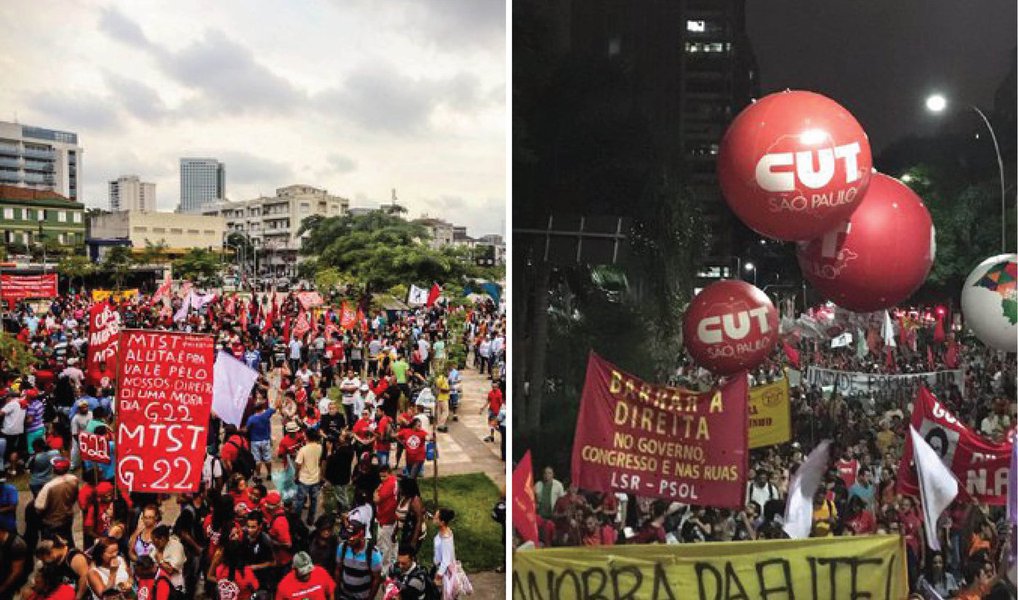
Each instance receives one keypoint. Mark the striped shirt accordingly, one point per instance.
(356, 575)
(34, 420)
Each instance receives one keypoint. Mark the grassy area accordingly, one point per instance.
(478, 537)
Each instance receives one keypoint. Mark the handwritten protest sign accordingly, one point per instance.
(164, 399)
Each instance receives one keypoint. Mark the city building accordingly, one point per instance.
(272, 223)
(29, 217)
(693, 70)
(202, 182)
(439, 231)
(179, 233)
(40, 159)
(128, 192)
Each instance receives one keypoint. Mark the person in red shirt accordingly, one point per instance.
(306, 581)
(848, 468)
(231, 447)
(233, 578)
(493, 404)
(238, 491)
(292, 441)
(386, 499)
(97, 512)
(383, 438)
(912, 531)
(414, 440)
(861, 521)
(364, 432)
(279, 528)
(145, 577)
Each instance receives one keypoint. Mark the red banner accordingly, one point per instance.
(310, 300)
(103, 336)
(524, 506)
(347, 317)
(164, 397)
(979, 465)
(663, 442)
(94, 448)
(19, 287)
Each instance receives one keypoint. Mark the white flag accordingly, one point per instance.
(799, 508)
(232, 381)
(185, 306)
(937, 486)
(887, 331)
(418, 296)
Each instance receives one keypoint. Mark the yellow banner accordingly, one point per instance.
(770, 418)
(100, 295)
(837, 567)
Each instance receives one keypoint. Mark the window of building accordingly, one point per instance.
(60, 238)
(158, 230)
(42, 215)
(141, 229)
(193, 232)
(77, 217)
(696, 26)
(61, 216)
(614, 46)
(176, 230)
(209, 232)
(8, 213)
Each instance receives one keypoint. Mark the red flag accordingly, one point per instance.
(433, 295)
(302, 326)
(163, 290)
(929, 356)
(244, 315)
(890, 358)
(286, 327)
(951, 359)
(348, 317)
(938, 334)
(231, 305)
(362, 320)
(524, 505)
(330, 327)
(791, 353)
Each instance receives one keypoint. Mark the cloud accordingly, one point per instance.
(243, 169)
(76, 111)
(116, 25)
(342, 164)
(377, 97)
(140, 100)
(229, 77)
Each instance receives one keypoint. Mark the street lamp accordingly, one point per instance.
(751, 267)
(937, 104)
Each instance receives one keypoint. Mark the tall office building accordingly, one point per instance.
(40, 159)
(128, 192)
(202, 182)
(693, 70)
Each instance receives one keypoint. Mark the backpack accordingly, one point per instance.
(245, 462)
(342, 560)
(431, 591)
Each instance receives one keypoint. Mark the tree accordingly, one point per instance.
(152, 253)
(117, 264)
(16, 356)
(379, 251)
(198, 265)
(75, 266)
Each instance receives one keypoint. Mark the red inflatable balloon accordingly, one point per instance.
(730, 326)
(880, 256)
(793, 165)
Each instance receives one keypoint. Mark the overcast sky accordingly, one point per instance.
(355, 96)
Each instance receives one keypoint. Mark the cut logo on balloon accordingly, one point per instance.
(709, 332)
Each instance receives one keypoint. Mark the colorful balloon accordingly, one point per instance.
(793, 165)
(730, 326)
(880, 256)
(989, 302)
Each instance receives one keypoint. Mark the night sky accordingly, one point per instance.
(881, 58)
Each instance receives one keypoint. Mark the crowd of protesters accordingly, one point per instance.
(315, 496)
(858, 495)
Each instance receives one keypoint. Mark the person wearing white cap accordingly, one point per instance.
(306, 581)
(364, 398)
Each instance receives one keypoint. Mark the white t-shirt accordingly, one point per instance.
(14, 418)
(348, 388)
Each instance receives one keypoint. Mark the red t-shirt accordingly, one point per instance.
(144, 587)
(104, 518)
(862, 523)
(387, 499)
(379, 388)
(495, 401)
(337, 353)
(847, 470)
(289, 445)
(279, 531)
(362, 428)
(413, 441)
(382, 428)
(242, 498)
(241, 587)
(85, 495)
(911, 524)
(64, 592)
(230, 449)
(319, 586)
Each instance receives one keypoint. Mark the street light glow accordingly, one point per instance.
(936, 103)
(907, 178)
(749, 267)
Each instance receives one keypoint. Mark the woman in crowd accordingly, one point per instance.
(109, 570)
(410, 524)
